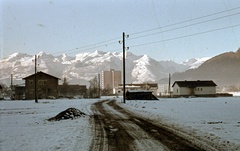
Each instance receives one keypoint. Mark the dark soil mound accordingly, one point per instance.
(70, 113)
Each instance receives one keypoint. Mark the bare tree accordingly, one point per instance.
(94, 88)
(65, 87)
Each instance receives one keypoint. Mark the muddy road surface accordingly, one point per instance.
(116, 129)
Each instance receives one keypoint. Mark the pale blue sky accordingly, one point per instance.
(61, 26)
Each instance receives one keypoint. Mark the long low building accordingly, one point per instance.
(194, 88)
(140, 86)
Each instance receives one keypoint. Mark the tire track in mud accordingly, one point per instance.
(116, 129)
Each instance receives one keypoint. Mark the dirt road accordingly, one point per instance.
(116, 129)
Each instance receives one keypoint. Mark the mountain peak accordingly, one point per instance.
(145, 57)
(195, 62)
(42, 53)
(13, 55)
(144, 60)
(238, 52)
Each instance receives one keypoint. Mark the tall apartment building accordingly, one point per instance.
(111, 79)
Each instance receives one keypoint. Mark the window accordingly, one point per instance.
(42, 82)
(31, 91)
(30, 82)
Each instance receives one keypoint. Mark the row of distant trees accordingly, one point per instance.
(5, 91)
(95, 89)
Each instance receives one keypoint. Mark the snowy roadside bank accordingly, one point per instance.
(216, 119)
(24, 126)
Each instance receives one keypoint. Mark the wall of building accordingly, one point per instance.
(111, 79)
(176, 90)
(181, 90)
(198, 91)
(204, 90)
(46, 85)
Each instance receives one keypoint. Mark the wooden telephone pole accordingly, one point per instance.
(11, 96)
(124, 78)
(36, 88)
(169, 85)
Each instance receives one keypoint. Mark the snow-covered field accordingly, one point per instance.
(216, 119)
(24, 125)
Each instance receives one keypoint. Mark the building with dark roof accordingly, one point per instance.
(47, 86)
(139, 86)
(194, 88)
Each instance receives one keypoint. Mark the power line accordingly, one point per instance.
(180, 37)
(185, 26)
(90, 45)
(96, 47)
(181, 22)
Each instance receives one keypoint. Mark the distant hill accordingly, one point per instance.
(223, 69)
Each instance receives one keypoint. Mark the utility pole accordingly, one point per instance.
(169, 85)
(36, 88)
(11, 95)
(124, 78)
(124, 75)
(99, 87)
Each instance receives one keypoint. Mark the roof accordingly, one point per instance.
(193, 84)
(141, 84)
(42, 73)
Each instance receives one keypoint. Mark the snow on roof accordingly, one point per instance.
(42, 73)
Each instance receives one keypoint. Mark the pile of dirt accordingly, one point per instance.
(70, 113)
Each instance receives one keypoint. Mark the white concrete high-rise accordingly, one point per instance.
(111, 79)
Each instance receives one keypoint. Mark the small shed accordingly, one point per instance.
(194, 88)
(18, 92)
(140, 95)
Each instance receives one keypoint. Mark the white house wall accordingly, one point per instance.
(181, 90)
(204, 90)
(176, 90)
(185, 91)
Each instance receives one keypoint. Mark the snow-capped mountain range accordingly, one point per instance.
(85, 66)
